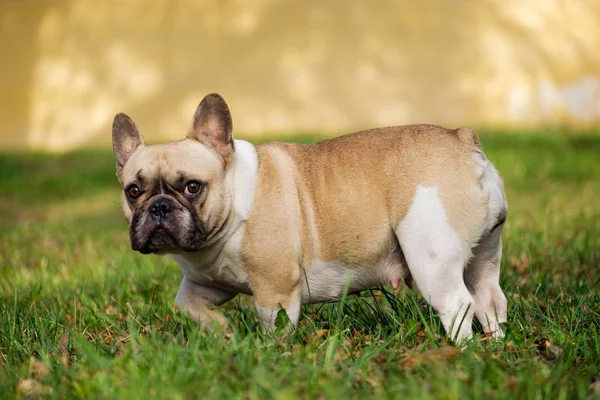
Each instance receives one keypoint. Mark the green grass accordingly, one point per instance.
(83, 316)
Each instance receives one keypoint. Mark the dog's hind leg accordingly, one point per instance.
(436, 257)
(482, 278)
(483, 272)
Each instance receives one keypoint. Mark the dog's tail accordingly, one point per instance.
(468, 136)
(491, 183)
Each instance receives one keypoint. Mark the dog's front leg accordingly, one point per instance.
(269, 301)
(200, 302)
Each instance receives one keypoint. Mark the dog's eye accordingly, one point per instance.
(192, 188)
(134, 191)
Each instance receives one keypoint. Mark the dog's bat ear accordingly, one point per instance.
(212, 126)
(126, 139)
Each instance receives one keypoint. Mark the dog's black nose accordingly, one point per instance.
(160, 209)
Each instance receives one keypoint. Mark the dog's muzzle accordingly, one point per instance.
(163, 226)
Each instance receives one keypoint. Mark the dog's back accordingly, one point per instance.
(349, 193)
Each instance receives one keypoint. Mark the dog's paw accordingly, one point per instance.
(209, 319)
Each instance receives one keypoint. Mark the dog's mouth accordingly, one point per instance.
(158, 241)
(161, 238)
(162, 241)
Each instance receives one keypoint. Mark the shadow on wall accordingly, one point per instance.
(287, 66)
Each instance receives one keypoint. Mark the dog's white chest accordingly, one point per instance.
(217, 267)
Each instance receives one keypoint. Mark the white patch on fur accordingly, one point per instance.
(246, 167)
(293, 312)
(491, 183)
(231, 269)
(327, 280)
(215, 267)
(436, 257)
(267, 316)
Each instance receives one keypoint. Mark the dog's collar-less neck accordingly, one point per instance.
(245, 169)
(241, 180)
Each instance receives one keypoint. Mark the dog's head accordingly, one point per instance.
(175, 195)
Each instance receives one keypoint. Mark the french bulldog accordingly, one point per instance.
(293, 224)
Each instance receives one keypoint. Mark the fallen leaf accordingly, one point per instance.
(64, 353)
(511, 382)
(70, 319)
(32, 388)
(547, 349)
(380, 358)
(322, 333)
(111, 310)
(595, 386)
(552, 349)
(38, 369)
(427, 357)
(522, 264)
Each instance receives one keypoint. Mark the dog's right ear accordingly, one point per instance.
(126, 139)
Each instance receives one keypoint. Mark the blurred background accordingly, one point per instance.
(290, 67)
(524, 73)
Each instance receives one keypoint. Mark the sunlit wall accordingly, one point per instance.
(292, 66)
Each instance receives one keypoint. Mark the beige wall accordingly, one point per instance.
(67, 67)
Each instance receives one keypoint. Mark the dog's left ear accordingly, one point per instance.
(212, 126)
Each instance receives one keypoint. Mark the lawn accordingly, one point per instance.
(83, 316)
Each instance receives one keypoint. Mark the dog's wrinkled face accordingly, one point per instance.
(169, 193)
(175, 195)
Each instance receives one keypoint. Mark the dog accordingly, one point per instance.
(293, 224)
